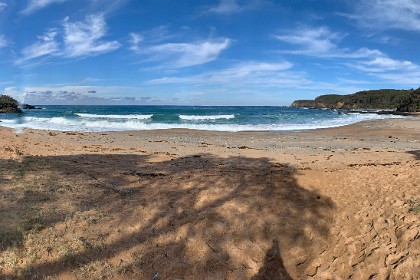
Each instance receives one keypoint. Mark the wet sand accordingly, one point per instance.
(333, 203)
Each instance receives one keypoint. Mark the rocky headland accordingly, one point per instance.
(384, 99)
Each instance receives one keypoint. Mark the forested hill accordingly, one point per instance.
(8, 105)
(383, 99)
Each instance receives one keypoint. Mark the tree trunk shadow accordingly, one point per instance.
(273, 267)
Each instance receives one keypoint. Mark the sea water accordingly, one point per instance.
(217, 118)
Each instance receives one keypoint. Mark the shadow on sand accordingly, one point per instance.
(415, 153)
(193, 217)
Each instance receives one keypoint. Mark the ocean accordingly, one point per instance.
(216, 118)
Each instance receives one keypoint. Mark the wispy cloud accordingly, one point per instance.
(188, 54)
(3, 41)
(384, 64)
(227, 7)
(273, 81)
(45, 46)
(106, 6)
(387, 14)
(134, 41)
(153, 46)
(251, 72)
(78, 39)
(320, 42)
(154, 36)
(35, 5)
(3, 6)
(84, 38)
(391, 70)
(407, 78)
(312, 40)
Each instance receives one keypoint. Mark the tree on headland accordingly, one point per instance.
(383, 99)
(9, 104)
(412, 104)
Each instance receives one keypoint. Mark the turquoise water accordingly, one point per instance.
(218, 118)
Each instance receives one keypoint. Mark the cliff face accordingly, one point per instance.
(404, 100)
(8, 105)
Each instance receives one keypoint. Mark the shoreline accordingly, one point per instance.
(411, 115)
(152, 120)
(318, 204)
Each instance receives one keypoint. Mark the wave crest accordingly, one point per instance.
(120, 117)
(207, 117)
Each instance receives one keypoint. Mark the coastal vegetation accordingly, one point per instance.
(383, 99)
(8, 105)
(412, 103)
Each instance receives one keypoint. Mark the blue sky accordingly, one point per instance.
(197, 52)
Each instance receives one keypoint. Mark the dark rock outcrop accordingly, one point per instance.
(30, 107)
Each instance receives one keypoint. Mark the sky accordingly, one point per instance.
(205, 52)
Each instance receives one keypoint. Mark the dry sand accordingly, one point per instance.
(341, 203)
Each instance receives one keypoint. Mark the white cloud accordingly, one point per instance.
(106, 6)
(80, 39)
(320, 42)
(163, 48)
(82, 95)
(3, 41)
(251, 72)
(402, 78)
(84, 38)
(2, 6)
(189, 54)
(255, 69)
(382, 64)
(45, 46)
(315, 40)
(159, 34)
(150, 37)
(135, 39)
(386, 14)
(226, 7)
(35, 5)
(400, 72)
(257, 80)
(13, 92)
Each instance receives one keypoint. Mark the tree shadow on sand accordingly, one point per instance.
(415, 153)
(195, 217)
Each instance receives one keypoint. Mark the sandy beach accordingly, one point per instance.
(338, 203)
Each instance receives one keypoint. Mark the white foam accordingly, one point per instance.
(210, 117)
(122, 117)
(10, 122)
(96, 124)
